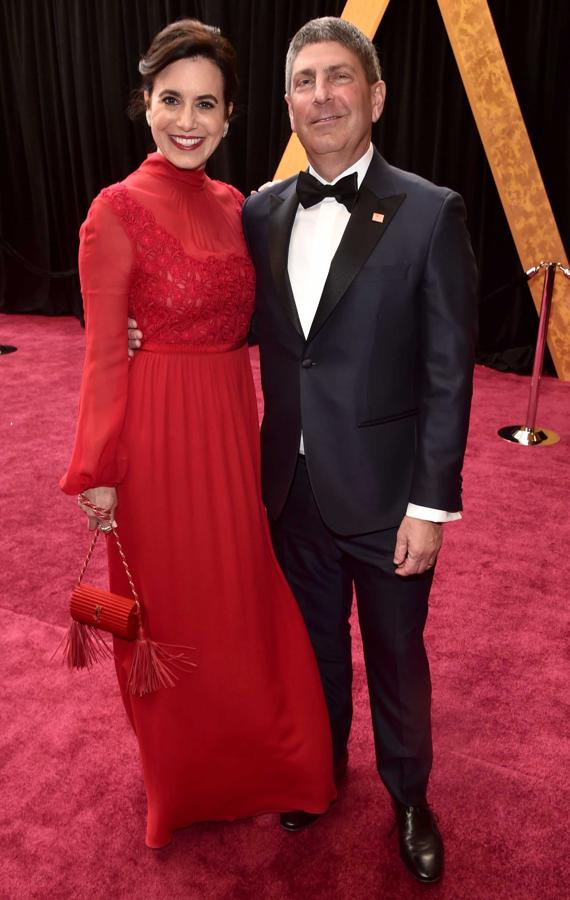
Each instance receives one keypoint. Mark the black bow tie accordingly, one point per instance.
(311, 191)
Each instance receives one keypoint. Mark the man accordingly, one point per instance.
(365, 319)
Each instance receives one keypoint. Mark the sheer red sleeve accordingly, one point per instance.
(237, 196)
(105, 265)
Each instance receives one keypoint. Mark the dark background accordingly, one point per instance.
(67, 68)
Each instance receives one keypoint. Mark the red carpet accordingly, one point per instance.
(72, 811)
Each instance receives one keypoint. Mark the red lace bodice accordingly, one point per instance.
(176, 297)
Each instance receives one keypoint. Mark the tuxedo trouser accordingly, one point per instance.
(322, 568)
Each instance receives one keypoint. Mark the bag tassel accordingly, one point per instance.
(154, 665)
(84, 646)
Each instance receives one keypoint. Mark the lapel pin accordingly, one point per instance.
(378, 217)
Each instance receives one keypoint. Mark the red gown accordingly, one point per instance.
(176, 431)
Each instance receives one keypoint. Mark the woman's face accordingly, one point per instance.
(186, 111)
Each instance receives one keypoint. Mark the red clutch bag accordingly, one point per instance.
(95, 611)
(98, 608)
(110, 612)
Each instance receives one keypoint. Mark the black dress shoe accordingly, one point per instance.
(421, 846)
(298, 820)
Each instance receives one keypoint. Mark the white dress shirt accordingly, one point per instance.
(315, 236)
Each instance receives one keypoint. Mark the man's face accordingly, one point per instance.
(332, 106)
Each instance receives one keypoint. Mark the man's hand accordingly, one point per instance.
(135, 337)
(417, 544)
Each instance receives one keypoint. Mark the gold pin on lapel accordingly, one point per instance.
(378, 217)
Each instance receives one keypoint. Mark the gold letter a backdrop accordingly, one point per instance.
(498, 117)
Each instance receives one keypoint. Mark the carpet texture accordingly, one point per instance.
(72, 810)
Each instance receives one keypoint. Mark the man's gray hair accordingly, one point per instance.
(330, 28)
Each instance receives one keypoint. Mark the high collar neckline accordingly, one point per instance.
(190, 179)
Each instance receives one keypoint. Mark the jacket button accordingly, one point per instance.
(307, 363)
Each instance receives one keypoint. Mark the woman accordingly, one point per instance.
(169, 444)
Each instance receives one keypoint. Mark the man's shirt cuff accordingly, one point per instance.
(431, 515)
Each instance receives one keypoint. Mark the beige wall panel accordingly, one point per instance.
(495, 107)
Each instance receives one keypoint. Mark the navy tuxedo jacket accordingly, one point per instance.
(382, 385)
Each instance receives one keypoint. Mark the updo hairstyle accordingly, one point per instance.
(186, 39)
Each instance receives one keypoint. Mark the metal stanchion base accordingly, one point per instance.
(528, 437)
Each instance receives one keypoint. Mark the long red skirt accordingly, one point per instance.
(246, 731)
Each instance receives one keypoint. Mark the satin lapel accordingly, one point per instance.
(358, 241)
(281, 216)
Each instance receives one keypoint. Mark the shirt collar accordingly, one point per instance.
(360, 167)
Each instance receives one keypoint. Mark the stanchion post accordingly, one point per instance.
(545, 304)
(528, 435)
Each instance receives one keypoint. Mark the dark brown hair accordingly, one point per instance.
(185, 39)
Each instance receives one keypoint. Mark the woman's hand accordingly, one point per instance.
(135, 337)
(267, 184)
(105, 498)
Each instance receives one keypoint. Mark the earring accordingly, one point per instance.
(226, 129)
(148, 116)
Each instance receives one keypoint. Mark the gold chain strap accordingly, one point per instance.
(124, 561)
(106, 526)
